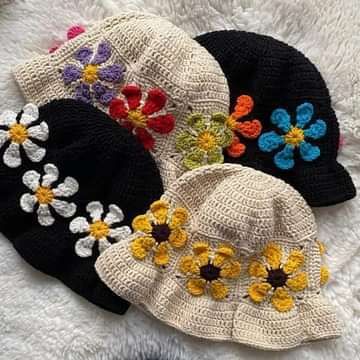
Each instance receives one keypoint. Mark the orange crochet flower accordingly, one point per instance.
(250, 129)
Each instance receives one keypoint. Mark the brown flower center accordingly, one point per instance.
(99, 229)
(295, 136)
(206, 141)
(137, 118)
(277, 278)
(210, 272)
(90, 73)
(44, 195)
(160, 233)
(18, 133)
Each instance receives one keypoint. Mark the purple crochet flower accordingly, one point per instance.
(91, 75)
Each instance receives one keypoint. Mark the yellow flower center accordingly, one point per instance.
(90, 73)
(18, 133)
(295, 136)
(44, 195)
(231, 122)
(137, 118)
(206, 141)
(99, 229)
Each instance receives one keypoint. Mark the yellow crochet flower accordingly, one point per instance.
(206, 269)
(324, 270)
(277, 279)
(161, 230)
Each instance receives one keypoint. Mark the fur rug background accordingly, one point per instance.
(40, 319)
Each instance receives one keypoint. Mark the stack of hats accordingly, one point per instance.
(177, 174)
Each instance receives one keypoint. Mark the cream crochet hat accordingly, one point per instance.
(148, 74)
(228, 253)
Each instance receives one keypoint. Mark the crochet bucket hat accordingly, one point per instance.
(71, 181)
(150, 76)
(281, 115)
(227, 253)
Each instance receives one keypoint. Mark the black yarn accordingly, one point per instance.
(109, 165)
(276, 75)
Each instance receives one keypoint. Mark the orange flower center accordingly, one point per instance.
(90, 73)
(231, 122)
(137, 118)
(44, 195)
(206, 141)
(99, 229)
(295, 136)
(18, 133)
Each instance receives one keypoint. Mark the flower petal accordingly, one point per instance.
(39, 132)
(258, 291)
(83, 246)
(161, 254)
(196, 121)
(44, 216)
(120, 233)
(112, 73)
(223, 253)
(141, 246)
(103, 53)
(270, 141)
(51, 175)
(309, 152)
(324, 275)
(31, 179)
(132, 94)
(196, 287)
(236, 148)
(322, 248)
(115, 215)
(178, 238)
(103, 245)
(4, 136)
(64, 208)
(249, 129)
(298, 282)
(281, 118)
(83, 55)
(187, 264)
(273, 254)
(257, 269)
(102, 93)
(282, 300)
(29, 115)
(34, 152)
(218, 118)
(200, 247)
(194, 159)
(71, 73)
(294, 262)
(178, 217)
(27, 202)
(218, 290)
(7, 118)
(117, 109)
(145, 138)
(162, 124)
(159, 210)
(243, 107)
(224, 137)
(11, 155)
(316, 130)
(95, 209)
(155, 101)
(79, 225)
(284, 159)
(82, 93)
(142, 223)
(68, 188)
(230, 270)
(185, 141)
(304, 113)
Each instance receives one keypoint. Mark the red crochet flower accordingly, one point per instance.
(138, 117)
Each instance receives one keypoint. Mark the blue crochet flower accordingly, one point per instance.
(293, 137)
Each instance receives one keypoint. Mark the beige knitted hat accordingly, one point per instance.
(151, 77)
(228, 253)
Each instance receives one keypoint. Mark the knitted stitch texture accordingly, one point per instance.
(246, 267)
(289, 98)
(97, 178)
(168, 67)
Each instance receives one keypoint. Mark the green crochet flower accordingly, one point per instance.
(203, 143)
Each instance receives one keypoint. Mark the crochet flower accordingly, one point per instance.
(204, 142)
(46, 196)
(294, 136)
(276, 279)
(142, 116)
(99, 230)
(160, 230)
(18, 133)
(208, 269)
(91, 77)
(324, 270)
(250, 129)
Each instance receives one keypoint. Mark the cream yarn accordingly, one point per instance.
(156, 54)
(250, 211)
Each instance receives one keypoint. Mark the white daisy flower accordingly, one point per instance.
(19, 133)
(46, 196)
(99, 229)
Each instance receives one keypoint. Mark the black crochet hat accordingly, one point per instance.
(71, 181)
(281, 115)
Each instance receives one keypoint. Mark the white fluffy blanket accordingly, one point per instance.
(41, 319)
